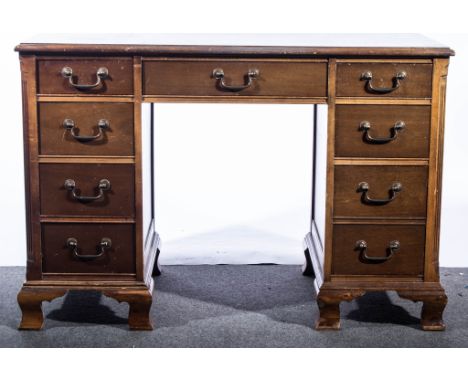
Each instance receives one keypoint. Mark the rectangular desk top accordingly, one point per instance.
(302, 45)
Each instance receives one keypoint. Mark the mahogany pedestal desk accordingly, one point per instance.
(88, 126)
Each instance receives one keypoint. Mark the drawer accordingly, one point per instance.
(382, 131)
(87, 190)
(268, 78)
(351, 81)
(392, 191)
(99, 129)
(111, 76)
(374, 249)
(88, 248)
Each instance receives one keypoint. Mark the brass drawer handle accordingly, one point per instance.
(218, 74)
(367, 76)
(101, 74)
(104, 245)
(366, 126)
(393, 246)
(69, 124)
(104, 185)
(364, 188)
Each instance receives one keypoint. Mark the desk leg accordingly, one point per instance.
(30, 302)
(328, 301)
(434, 303)
(307, 268)
(140, 302)
(156, 267)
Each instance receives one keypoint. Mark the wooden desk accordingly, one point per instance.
(88, 125)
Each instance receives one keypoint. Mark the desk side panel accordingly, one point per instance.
(31, 167)
(439, 83)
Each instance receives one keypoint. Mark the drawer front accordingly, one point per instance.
(382, 198)
(70, 128)
(351, 82)
(108, 187)
(88, 248)
(371, 249)
(196, 78)
(53, 79)
(382, 131)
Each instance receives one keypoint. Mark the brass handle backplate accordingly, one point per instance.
(361, 246)
(393, 191)
(367, 76)
(366, 126)
(101, 74)
(104, 245)
(104, 185)
(218, 74)
(70, 125)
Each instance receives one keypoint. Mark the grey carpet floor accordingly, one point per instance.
(234, 306)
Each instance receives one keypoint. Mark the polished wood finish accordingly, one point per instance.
(117, 139)
(345, 287)
(56, 200)
(30, 302)
(433, 307)
(278, 78)
(140, 302)
(407, 261)
(31, 166)
(418, 83)
(383, 101)
(139, 299)
(237, 99)
(329, 307)
(51, 155)
(330, 178)
(58, 258)
(253, 45)
(410, 202)
(298, 69)
(139, 159)
(332, 293)
(439, 81)
(412, 141)
(119, 82)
